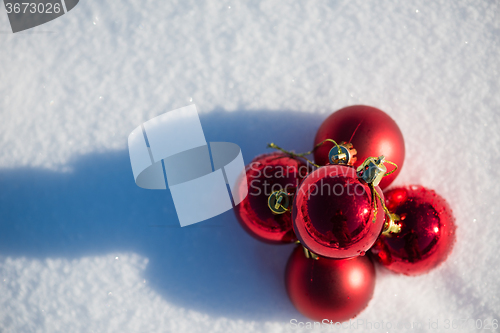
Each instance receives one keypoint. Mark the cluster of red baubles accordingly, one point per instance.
(337, 210)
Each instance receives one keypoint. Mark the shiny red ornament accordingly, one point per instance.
(371, 131)
(332, 289)
(265, 174)
(333, 213)
(427, 231)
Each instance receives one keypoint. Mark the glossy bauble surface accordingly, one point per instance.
(371, 131)
(333, 289)
(333, 213)
(427, 231)
(265, 174)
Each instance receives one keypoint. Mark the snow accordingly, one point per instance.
(258, 71)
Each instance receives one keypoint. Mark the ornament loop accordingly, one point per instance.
(391, 226)
(339, 151)
(307, 253)
(372, 171)
(292, 154)
(393, 170)
(339, 154)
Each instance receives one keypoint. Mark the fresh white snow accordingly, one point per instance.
(258, 71)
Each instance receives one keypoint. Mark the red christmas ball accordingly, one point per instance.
(265, 174)
(333, 213)
(371, 131)
(427, 231)
(333, 289)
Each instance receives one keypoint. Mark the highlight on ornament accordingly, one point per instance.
(330, 201)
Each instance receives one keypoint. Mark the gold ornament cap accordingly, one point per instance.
(372, 170)
(278, 202)
(343, 154)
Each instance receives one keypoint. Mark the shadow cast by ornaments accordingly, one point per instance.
(213, 267)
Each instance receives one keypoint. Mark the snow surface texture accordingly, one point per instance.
(75, 231)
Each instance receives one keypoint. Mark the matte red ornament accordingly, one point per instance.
(332, 289)
(427, 231)
(333, 213)
(265, 174)
(371, 131)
